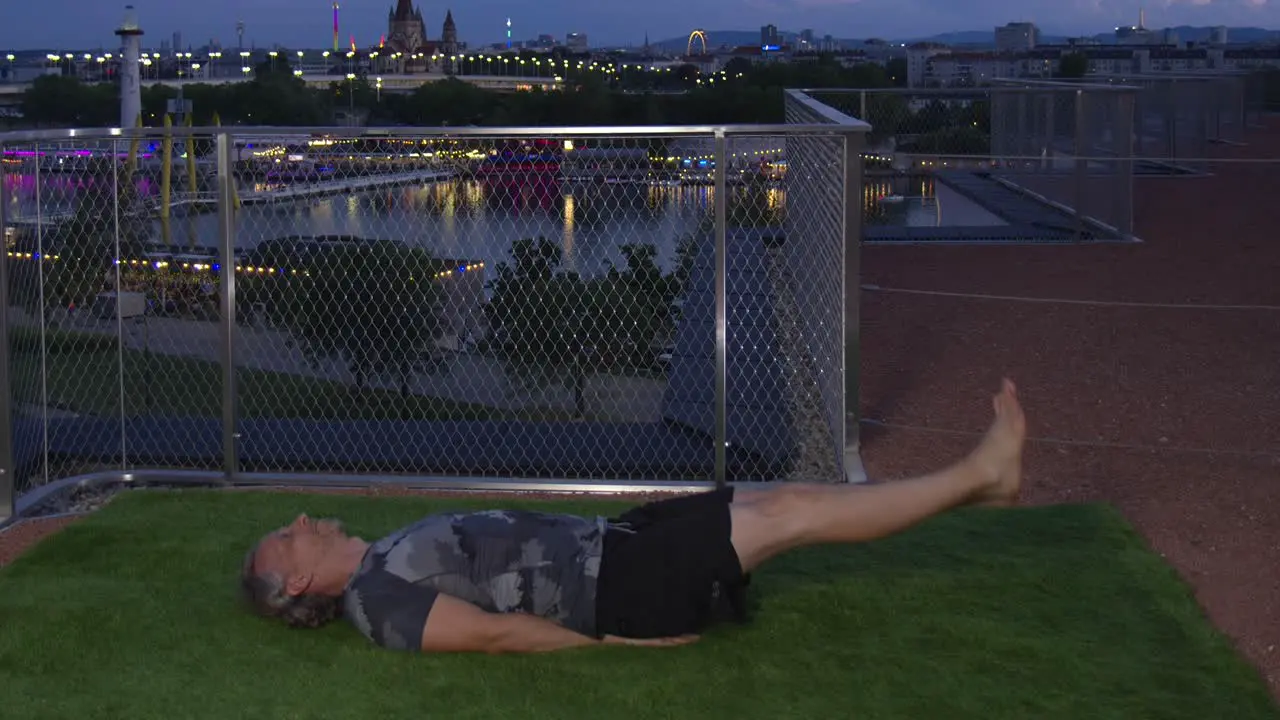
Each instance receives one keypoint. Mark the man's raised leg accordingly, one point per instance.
(769, 522)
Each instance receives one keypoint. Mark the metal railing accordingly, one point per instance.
(1177, 117)
(1031, 158)
(566, 305)
(1206, 106)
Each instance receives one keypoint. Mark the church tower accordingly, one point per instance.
(449, 41)
(407, 34)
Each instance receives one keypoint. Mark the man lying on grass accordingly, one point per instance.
(507, 581)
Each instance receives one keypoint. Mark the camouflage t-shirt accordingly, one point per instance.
(501, 561)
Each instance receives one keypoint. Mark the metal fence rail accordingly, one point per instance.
(570, 304)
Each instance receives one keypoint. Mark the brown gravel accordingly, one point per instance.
(19, 537)
(1193, 395)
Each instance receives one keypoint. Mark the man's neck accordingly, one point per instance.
(345, 563)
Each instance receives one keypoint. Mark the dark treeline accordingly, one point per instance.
(741, 93)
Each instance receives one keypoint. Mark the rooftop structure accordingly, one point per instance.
(1147, 368)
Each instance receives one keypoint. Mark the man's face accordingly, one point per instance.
(297, 550)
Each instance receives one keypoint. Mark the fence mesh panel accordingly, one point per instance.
(813, 265)
(473, 306)
(477, 306)
(113, 324)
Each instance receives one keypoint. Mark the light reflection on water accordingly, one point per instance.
(463, 220)
(476, 221)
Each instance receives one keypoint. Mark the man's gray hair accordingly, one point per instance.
(267, 595)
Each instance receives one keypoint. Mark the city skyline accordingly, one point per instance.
(309, 23)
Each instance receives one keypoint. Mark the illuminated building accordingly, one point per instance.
(407, 35)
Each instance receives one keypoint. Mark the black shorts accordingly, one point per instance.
(669, 568)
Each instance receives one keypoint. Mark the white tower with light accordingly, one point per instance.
(130, 69)
(508, 33)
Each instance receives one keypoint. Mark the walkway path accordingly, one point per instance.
(464, 378)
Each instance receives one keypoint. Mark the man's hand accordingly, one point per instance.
(650, 642)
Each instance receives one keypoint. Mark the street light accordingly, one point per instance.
(351, 96)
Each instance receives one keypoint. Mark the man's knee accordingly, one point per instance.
(767, 522)
(782, 501)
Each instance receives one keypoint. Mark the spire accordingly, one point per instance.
(448, 18)
(404, 10)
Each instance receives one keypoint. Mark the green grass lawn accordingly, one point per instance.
(83, 376)
(1037, 613)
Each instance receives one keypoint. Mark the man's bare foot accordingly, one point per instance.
(999, 456)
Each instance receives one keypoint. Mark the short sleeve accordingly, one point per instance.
(389, 610)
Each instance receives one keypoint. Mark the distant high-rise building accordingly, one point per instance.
(769, 36)
(1017, 37)
(1137, 34)
(177, 42)
(806, 40)
(1218, 36)
(576, 42)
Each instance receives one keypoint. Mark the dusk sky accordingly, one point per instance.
(73, 24)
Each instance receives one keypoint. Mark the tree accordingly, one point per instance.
(375, 305)
(551, 326)
(63, 100)
(896, 69)
(535, 314)
(628, 308)
(1073, 65)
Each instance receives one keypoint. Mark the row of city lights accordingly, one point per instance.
(149, 58)
(251, 269)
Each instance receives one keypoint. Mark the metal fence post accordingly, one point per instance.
(1124, 151)
(851, 282)
(8, 474)
(1022, 132)
(721, 271)
(118, 287)
(1081, 151)
(227, 276)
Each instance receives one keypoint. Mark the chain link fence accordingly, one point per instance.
(822, 260)
(467, 305)
(1181, 114)
(1178, 117)
(111, 305)
(1035, 163)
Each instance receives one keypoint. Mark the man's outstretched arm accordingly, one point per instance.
(458, 626)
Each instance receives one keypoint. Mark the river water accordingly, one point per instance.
(455, 219)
